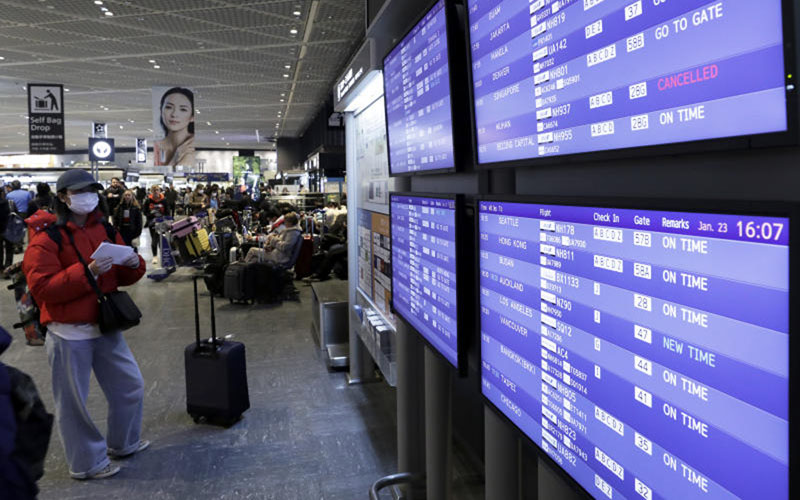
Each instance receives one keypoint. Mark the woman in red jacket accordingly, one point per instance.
(75, 346)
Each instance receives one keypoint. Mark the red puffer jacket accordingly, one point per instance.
(57, 279)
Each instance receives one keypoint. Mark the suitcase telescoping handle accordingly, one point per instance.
(196, 313)
(197, 317)
(213, 321)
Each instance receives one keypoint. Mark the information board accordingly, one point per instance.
(418, 101)
(646, 352)
(556, 77)
(424, 264)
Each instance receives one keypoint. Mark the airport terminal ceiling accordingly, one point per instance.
(260, 69)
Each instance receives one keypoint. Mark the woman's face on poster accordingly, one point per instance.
(177, 112)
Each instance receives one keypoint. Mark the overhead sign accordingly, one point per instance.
(359, 66)
(141, 150)
(101, 149)
(45, 118)
(99, 130)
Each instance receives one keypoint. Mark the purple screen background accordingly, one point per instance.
(418, 107)
(646, 352)
(729, 88)
(424, 269)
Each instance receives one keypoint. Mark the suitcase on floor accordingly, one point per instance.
(216, 375)
(197, 243)
(214, 277)
(238, 284)
(302, 267)
(185, 226)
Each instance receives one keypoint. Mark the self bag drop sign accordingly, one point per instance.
(45, 118)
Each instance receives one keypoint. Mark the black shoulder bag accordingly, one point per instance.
(117, 311)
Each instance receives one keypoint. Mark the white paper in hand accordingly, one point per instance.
(117, 252)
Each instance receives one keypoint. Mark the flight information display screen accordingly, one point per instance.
(416, 80)
(646, 352)
(424, 269)
(556, 77)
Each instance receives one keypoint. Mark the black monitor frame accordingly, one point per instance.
(789, 137)
(732, 207)
(464, 288)
(456, 61)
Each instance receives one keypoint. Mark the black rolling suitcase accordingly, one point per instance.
(238, 284)
(216, 375)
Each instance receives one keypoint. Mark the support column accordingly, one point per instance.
(438, 425)
(502, 460)
(410, 405)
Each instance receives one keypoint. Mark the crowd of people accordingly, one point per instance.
(63, 230)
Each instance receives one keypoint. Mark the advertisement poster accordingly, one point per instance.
(45, 118)
(372, 158)
(173, 126)
(382, 264)
(365, 252)
(245, 167)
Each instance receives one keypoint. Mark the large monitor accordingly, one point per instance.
(425, 277)
(554, 78)
(646, 352)
(418, 97)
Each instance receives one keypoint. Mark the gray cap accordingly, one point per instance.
(75, 180)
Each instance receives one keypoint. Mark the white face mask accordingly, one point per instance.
(83, 203)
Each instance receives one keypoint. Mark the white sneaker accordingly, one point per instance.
(107, 471)
(155, 260)
(143, 445)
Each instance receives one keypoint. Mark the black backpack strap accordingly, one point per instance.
(111, 231)
(54, 232)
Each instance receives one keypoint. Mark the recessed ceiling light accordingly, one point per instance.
(121, 127)
(156, 67)
(293, 31)
(109, 13)
(283, 95)
(66, 90)
(216, 131)
(98, 2)
(288, 66)
(297, 13)
(104, 9)
(2, 58)
(283, 100)
(286, 75)
(152, 61)
(208, 123)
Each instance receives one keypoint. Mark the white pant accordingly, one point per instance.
(117, 372)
